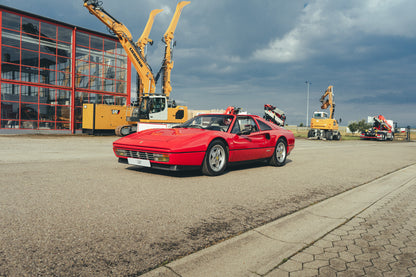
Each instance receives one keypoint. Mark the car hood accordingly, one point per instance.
(175, 139)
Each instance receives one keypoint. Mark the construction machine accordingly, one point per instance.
(382, 129)
(322, 125)
(152, 107)
(275, 115)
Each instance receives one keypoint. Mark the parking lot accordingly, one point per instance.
(68, 208)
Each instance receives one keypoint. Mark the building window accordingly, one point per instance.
(38, 90)
(35, 51)
(100, 66)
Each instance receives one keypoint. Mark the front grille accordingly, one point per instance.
(139, 155)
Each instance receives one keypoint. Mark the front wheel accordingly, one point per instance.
(280, 153)
(216, 159)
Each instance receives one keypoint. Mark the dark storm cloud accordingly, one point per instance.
(393, 98)
(249, 53)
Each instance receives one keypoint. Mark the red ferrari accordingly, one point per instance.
(209, 142)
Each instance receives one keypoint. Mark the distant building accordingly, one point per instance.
(50, 68)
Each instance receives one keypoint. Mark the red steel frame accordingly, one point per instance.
(1, 35)
(72, 88)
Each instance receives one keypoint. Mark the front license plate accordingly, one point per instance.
(139, 162)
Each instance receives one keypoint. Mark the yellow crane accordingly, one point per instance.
(152, 108)
(322, 125)
(144, 38)
(167, 63)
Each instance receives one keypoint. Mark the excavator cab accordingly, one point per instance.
(154, 107)
(320, 115)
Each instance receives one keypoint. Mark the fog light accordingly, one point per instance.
(161, 157)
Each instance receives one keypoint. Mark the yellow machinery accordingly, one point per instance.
(322, 125)
(100, 118)
(152, 107)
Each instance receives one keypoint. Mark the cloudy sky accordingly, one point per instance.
(254, 52)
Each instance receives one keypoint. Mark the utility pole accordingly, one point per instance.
(307, 103)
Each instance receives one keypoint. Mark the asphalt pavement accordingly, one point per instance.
(367, 231)
(67, 208)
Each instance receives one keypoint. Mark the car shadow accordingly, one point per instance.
(198, 173)
(155, 171)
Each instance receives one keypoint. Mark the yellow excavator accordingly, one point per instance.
(322, 125)
(152, 107)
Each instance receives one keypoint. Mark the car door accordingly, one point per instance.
(248, 145)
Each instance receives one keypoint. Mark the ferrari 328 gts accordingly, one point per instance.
(209, 142)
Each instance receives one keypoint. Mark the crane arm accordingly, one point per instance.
(147, 82)
(329, 102)
(382, 123)
(144, 38)
(167, 63)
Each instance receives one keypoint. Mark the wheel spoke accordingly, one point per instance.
(216, 158)
(280, 152)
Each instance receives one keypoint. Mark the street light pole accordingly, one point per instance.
(307, 103)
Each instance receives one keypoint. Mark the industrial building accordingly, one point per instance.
(49, 69)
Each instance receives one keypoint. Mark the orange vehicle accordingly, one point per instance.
(383, 129)
(322, 125)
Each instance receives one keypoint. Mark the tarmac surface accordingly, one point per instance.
(67, 208)
(367, 231)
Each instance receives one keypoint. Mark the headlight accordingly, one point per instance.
(161, 157)
(121, 152)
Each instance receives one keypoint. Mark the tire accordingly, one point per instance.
(280, 153)
(216, 159)
(328, 135)
(123, 131)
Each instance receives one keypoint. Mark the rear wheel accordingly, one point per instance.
(216, 159)
(280, 153)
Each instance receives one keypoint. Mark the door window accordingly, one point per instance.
(243, 123)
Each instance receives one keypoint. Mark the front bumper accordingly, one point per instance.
(167, 167)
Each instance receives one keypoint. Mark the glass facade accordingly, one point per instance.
(49, 69)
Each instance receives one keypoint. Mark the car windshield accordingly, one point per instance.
(215, 122)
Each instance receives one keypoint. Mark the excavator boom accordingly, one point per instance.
(144, 38)
(329, 102)
(168, 36)
(167, 63)
(147, 82)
